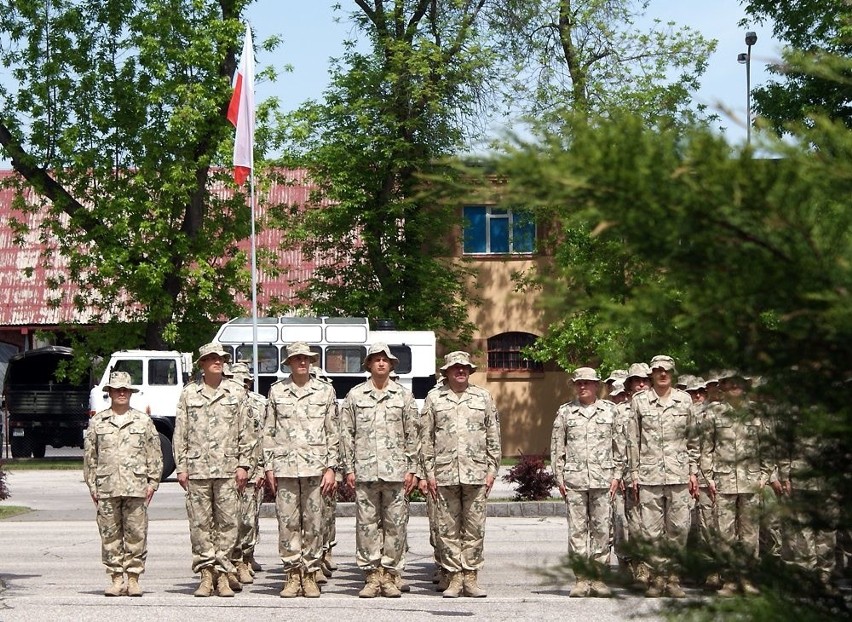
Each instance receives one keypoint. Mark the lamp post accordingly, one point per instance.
(745, 59)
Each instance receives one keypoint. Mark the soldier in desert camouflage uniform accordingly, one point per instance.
(662, 449)
(122, 464)
(460, 433)
(588, 473)
(251, 497)
(380, 447)
(214, 444)
(300, 454)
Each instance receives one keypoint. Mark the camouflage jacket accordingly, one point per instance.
(460, 436)
(121, 454)
(662, 443)
(731, 442)
(257, 413)
(379, 433)
(214, 435)
(623, 416)
(584, 445)
(301, 434)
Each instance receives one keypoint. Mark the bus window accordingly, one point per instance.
(344, 359)
(267, 354)
(403, 353)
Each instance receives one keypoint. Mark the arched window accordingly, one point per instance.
(504, 352)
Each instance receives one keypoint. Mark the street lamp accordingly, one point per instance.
(744, 58)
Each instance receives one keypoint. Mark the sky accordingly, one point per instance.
(310, 36)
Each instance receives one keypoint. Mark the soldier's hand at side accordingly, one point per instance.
(711, 486)
(241, 476)
(328, 484)
(410, 482)
(183, 480)
(273, 485)
(613, 488)
(149, 494)
(423, 487)
(350, 480)
(95, 499)
(693, 486)
(489, 483)
(562, 490)
(635, 487)
(433, 488)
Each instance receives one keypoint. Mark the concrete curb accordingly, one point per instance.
(497, 509)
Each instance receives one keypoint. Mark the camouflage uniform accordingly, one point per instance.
(121, 460)
(252, 496)
(584, 454)
(214, 435)
(380, 445)
(300, 441)
(662, 444)
(625, 518)
(461, 448)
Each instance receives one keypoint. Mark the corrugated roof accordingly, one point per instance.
(26, 299)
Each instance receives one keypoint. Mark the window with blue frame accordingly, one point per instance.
(489, 229)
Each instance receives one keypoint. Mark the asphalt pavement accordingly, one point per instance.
(52, 571)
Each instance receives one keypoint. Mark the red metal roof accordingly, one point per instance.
(26, 299)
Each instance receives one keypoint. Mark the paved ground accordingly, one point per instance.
(50, 562)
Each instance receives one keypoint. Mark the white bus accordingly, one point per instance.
(341, 343)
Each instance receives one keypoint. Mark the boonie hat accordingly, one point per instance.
(212, 348)
(585, 373)
(120, 380)
(617, 388)
(617, 374)
(663, 362)
(380, 348)
(241, 372)
(300, 348)
(696, 383)
(638, 370)
(457, 357)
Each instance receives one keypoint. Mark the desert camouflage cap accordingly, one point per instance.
(209, 349)
(684, 380)
(617, 374)
(662, 361)
(696, 383)
(458, 357)
(379, 348)
(617, 388)
(585, 373)
(226, 371)
(300, 348)
(638, 370)
(120, 380)
(241, 372)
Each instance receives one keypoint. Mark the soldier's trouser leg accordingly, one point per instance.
(380, 525)
(665, 515)
(250, 500)
(461, 526)
(298, 504)
(329, 521)
(738, 517)
(589, 524)
(123, 525)
(434, 536)
(620, 531)
(706, 515)
(212, 506)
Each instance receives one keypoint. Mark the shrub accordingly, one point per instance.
(4, 489)
(533, 478)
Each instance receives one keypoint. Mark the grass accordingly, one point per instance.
(7, 511)
(43, 464)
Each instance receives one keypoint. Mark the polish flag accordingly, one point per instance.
(241, 112)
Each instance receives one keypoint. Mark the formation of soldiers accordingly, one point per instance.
(228, 441)
(658, 457)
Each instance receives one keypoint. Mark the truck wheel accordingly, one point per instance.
(21, 447)
(38, 449)
(168, 457)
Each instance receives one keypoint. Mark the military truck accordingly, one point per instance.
(43, 410)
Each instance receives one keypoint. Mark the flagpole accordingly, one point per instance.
(252, 201)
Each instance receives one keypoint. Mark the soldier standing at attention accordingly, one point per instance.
(588, 473)
(662, 452)
(460, 437)
(300, 454)
(380, 447)
(214, 444)
(122, 465)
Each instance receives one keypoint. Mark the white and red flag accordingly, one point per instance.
(241, 112)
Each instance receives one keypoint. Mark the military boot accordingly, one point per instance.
(749, 588)
(373, 584)
(223, 585)
(310, 589)
(293, 584)
(205, 588)
(389, 588)
(673, 588)
(443, 581)
(656, 587)
(244, 573)
(402, 585)
(728, 590)
(580, 589)
(641, 577)
(116, 586)
(133, 588)
(328, 561)
(600, 589)
(469, 585)
(253, 563)
(456, 585)
(234, 582)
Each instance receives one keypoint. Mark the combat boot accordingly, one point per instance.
(223, 585)
(328, 561)
(713, 582)
(234, 582)
(205, 588)
(673, 588)
(437, 574)
(749, 588)
(293, 584)
(443, 580)
(656, 587)
(319, 577)
(373, 584)
(641, 577)
(580, 589)
(456, 585)
(600, 589)
(728, 590)
(402, 585)
(133, 588)
(244, 573)
(253, 563)
(310, 589)
(469, 585)
(116, 586)
(389, 588)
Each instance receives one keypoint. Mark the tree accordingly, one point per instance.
(588, 55)
(376, 147)
(811, 79)
(117, 120)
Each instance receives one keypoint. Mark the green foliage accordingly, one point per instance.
(117, 120)
(533, 478)
(4, 488)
